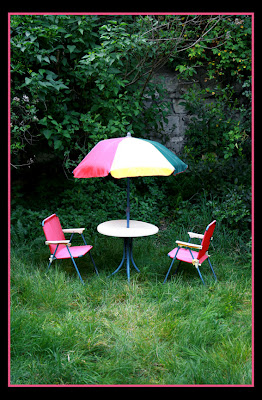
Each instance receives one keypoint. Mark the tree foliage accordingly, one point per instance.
(77, 79)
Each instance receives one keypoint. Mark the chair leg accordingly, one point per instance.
(89, 254)
(198, 270)
(93, 262)
(49, 264)
(75, 265)
(171, 266)
(82, 238)
(51, 259)
(177, 267)
(212, 269)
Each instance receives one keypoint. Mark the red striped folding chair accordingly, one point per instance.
(184, 251)
(61, 248)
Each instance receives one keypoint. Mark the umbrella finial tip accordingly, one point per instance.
(128, 134)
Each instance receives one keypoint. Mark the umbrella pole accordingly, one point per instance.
(128, 208)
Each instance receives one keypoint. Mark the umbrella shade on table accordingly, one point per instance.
(127, 157)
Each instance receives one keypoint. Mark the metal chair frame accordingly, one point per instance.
(194, 261)
(67, 244)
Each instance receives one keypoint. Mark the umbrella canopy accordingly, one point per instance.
(128, 156)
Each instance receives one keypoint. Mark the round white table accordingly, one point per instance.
(118, 228)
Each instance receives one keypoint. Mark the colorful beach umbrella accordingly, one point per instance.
(127, 157)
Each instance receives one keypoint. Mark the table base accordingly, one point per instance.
(128, 255)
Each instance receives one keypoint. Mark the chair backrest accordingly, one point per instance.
(206, 239)
(53, 231)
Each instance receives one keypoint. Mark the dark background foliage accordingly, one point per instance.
(78, 79)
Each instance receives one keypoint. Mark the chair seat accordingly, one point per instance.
(76, 251)
(185, 255)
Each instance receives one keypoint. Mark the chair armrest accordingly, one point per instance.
(74, 230)
(67, 242)
(186, 244)
(195, 235)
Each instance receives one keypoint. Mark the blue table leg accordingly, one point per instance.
(128, 260)
(131, 254)
(128, 255)
(123, 259)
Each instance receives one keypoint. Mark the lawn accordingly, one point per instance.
(111, 333)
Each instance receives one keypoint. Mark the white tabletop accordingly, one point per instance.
(119, 228)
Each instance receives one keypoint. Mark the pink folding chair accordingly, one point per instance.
(185, 253)
(60, 248)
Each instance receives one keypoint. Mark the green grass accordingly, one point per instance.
(109, 332)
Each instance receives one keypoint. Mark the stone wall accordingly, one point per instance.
(173, 135)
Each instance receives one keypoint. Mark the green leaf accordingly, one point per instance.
(57, 144)
(113, 70)
(28, 81)
(43, 121)
(101, 86)
(41, 71)
(47, 133)
(45, 84)
(71, 48)
(62, 86)
(66, 134)
(51, 75)
(53, 58)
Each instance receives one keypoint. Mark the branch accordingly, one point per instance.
(154, 29)
(29, 162)
(202, 36)
(179, 40)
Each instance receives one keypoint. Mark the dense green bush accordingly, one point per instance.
(89, 203)
(218, 127)
(76, 75)
(77, 79)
